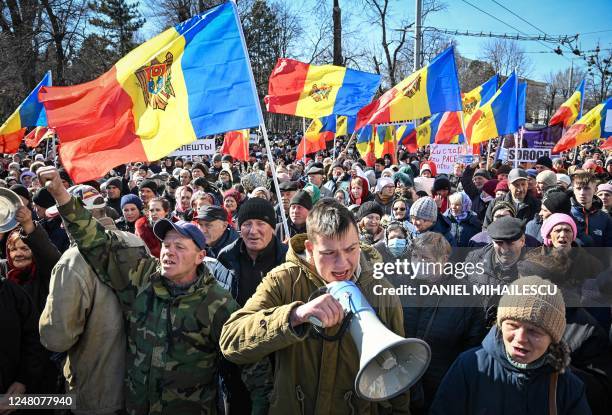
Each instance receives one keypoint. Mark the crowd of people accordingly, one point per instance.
(175, 287)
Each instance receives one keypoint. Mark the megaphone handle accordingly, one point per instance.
(320, 331)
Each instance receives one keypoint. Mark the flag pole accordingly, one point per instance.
(264, 132)
(262, 125)
(304, 139)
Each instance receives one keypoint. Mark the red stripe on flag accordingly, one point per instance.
(236, 145)
(35, 136)
(562, 114)
(376, 112)
(285, 86)
(449, 127)
(9, 143)
(568, 141)
(95, 126)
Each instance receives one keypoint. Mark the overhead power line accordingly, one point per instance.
(511, 36)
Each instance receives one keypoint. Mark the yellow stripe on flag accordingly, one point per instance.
(410, 99)
(320, 90)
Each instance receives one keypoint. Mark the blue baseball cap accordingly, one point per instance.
(187, 229)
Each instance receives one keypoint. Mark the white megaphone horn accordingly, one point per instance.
(388, 364)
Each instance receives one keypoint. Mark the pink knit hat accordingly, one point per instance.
(552, 221)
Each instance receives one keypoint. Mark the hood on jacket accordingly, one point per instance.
(297, 255)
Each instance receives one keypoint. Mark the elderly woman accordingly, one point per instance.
(522, 365)
(369, 216)
(359, 191)
(464, 223)
(399, 212)
(183, 209)
(31, 257)
(395, 243)
(131, 209)
(231, 202)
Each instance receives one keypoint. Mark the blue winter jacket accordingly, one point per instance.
(482, 381)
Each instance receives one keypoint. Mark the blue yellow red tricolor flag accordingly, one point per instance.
(587, 128)
(318, 133)
(441, 128)
(311, 91)
(385, 141)
(345, 125)
(496, 117)
(236, 144)
(571, 109)
(365, 144)
(30, 113)
(473, 99)
(405, 135)
(190, 81)
(432, 89)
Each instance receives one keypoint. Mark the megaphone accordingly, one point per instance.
(388, 364)
(9, 202)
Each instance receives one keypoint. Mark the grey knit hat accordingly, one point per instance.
(424, 208)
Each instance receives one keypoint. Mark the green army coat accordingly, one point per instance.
(312, 376)
(173, 342)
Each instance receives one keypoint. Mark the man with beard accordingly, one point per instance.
(499, 259)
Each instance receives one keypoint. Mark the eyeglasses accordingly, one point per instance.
(400, 209)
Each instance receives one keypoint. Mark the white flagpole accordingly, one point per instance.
(262, 125)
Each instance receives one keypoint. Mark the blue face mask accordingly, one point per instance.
(397, 246)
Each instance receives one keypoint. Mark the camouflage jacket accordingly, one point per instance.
(173, 342)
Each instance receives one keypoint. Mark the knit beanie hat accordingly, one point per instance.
(368, 208)
(150, 184)
(303, 199)
(257, 208)
(43, 198)
(404, 178)
(490, 186)
(548, 177)
(482, 172)
(502, 186)
(544, 161)
(21, 191)
(544, 308)
(552, 221)
(557, 202)
(133, 199)
(424, 208)
(441, 183)
(114, 181)
(503, 205)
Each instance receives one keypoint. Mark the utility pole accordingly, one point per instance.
(418, 36)
(571, 79)
(337, 34)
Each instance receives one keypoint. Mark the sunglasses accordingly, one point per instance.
(399, 208)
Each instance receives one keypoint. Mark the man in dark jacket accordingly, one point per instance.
(594, 225)
(552, 202)
(299, 207)
(472, 181)
(526, 205)
(498, 259)
(114, 191)
(53, 226)
(240, 268)
(212, 221)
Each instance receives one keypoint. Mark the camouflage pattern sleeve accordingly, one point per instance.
(259, 380)
(121, 263)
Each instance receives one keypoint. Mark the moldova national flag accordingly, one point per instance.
(305, 90)
(595, 124)
(385, 142)
(473, 99)
(571, 109)
(188, 82)
(236, 144)
(441, 128)
(405, 135)
(30, 113)
(434, 88)
(365, 144)
(345, 125)
(496, 117)
(319, 132)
